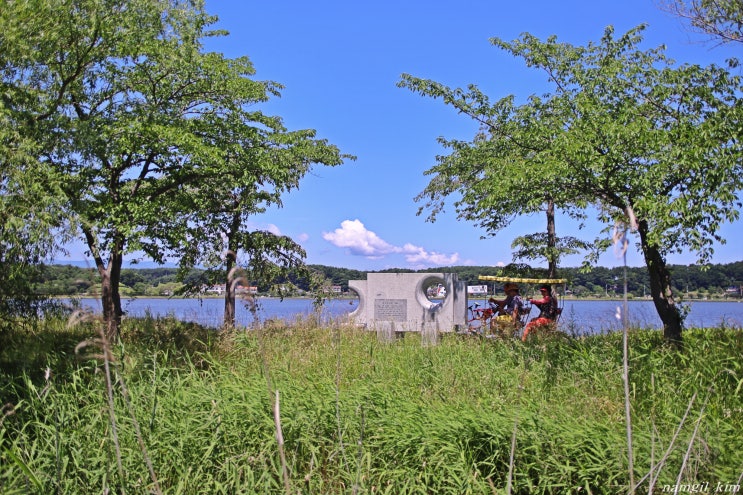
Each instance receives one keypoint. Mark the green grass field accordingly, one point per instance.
(179, 409)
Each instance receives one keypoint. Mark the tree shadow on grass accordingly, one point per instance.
(33, 349)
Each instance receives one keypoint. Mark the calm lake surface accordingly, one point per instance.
(580, 317)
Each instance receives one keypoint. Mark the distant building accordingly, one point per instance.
(734, 291)
(241, 289)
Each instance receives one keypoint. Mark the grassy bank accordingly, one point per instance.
(188, 412)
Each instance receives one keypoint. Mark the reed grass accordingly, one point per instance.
(358, 415)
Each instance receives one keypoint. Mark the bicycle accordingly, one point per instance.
(479, 321)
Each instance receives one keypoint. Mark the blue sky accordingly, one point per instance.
(339, 62)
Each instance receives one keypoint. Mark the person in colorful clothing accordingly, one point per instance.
(509, 310)
(547, 310)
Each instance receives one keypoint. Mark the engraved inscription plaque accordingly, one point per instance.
(391, 309)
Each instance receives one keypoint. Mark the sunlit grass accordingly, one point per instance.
(359, 415)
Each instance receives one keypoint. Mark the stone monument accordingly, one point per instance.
(397, 302)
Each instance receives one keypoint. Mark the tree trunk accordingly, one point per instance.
(110, 279)
(229, 293)
(110, 296)
(660, 288)
(551, 240)
(230, 262)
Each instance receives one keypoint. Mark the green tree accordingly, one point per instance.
(547, 245)
(500, 179)
(133, 133)
(272, 162)
(32, 83)
(647, 143)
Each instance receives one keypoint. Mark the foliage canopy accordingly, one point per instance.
(140, 130)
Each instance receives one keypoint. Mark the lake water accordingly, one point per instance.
(578, 316)
(601, 316)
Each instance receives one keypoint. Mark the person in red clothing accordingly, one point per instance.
(547, 310)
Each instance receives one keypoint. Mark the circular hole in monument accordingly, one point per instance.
(352, 302)
(347, 303)
(435, 291)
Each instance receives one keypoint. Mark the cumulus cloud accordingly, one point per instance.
(418, 255)
(353, 236)
(273, 229)
(360, 241)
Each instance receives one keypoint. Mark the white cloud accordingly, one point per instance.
(268, 227)
(303, 237)
(273, 229)
(355, 237)
(418, 255)
(359, 241)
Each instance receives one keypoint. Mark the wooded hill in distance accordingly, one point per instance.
(720, 281)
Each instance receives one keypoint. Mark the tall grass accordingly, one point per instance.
(358, 415)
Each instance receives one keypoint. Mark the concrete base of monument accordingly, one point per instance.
(390, 303)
